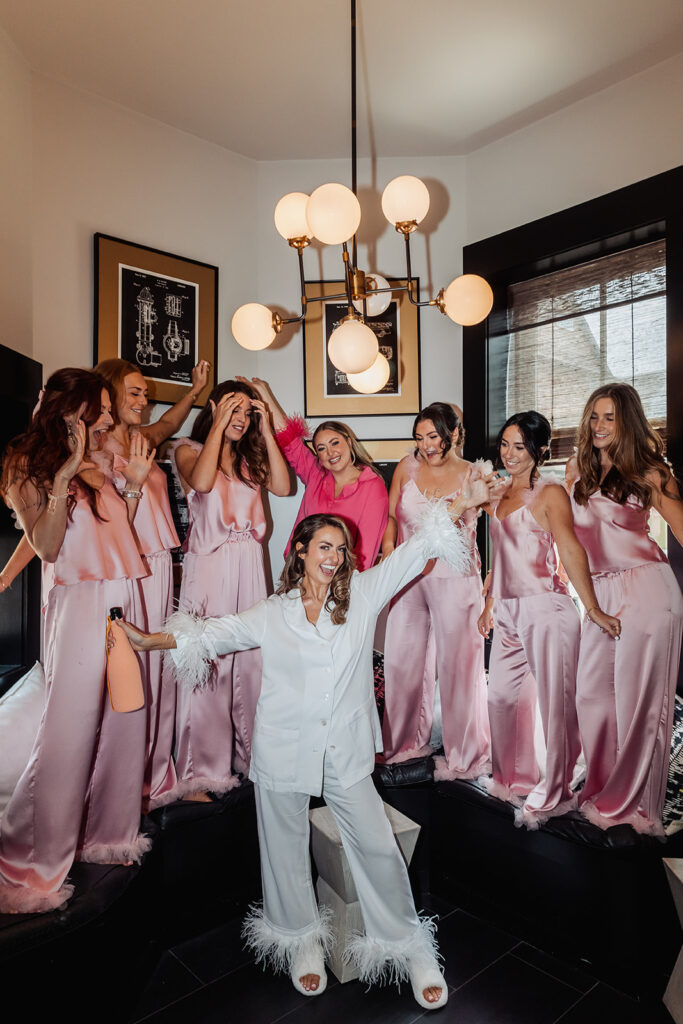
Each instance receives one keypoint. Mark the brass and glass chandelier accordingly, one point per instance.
(332, 214)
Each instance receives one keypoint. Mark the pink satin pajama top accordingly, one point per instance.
(615, 536)
(524, 560)
(94, 550)
(409, 507)
(153, 523)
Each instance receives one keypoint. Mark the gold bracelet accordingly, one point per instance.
(128, 492)
(52, 500)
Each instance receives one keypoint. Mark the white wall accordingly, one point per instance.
(437, 258)
(15, 199)
(614, 138)
(98, 167)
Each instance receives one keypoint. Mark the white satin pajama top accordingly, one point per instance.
(317, 693)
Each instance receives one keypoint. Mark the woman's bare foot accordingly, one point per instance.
(310, 982)
(198, 798)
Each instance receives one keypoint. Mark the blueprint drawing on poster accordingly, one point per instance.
(158, 324)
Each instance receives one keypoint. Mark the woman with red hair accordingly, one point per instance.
(79, 796)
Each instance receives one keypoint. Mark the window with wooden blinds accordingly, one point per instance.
(572, 330)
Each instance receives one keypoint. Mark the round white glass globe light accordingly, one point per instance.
(468, 299)
(352, 347)
(290, 216)
(252, 326)
(333, 213)
(372, 380)
(405, 198)
(375, 304)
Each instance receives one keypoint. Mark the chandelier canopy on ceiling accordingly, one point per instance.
(332, 215)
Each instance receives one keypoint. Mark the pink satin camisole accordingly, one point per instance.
(524, 560)
(615, 536)
(231, 510)
(94, 550)
(153, 523)
(410, 504)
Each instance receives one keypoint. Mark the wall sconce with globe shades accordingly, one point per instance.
(332, 214)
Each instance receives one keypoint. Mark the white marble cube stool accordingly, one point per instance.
(335, 887)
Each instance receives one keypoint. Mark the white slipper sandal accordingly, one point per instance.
(309, 962)
(424, 972)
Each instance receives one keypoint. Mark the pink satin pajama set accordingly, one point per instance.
(156, 536)
(625, 690)
(534, 652)
(222, 574)
(440, 609)
(79, 796)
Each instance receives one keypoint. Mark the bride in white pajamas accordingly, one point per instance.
(317, 732)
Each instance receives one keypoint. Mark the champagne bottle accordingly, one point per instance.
(124, 681)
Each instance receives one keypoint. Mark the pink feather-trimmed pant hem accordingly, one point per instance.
(23, 899)
(442, 773)
(116, 853)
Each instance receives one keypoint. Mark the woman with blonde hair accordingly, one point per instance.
(625, 693)
(338, 475)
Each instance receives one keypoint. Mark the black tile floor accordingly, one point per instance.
(493, 978)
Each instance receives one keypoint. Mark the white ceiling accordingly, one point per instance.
(271, 78)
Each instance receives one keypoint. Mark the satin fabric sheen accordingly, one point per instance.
(223, 573)
(363, 504)
(445, 606)
(535, 650)
(156, 536)
(79, 796)
(625, 690)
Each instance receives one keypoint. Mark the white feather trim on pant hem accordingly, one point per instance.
(280, 950)
(388, 963)
(193, 656)
(439, 537)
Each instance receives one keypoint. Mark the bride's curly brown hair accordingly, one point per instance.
(636, 451)
(339, 592)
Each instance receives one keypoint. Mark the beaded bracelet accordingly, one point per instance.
(130, 493)
(52, 500)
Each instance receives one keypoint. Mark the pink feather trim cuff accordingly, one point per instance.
(296, 427)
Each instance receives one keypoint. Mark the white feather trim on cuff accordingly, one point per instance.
(194, 653)
(440, 538)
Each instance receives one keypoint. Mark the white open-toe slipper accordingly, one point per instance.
(424, 973)
(309, 962)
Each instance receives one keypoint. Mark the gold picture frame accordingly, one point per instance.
(157, 310)
(326, 391)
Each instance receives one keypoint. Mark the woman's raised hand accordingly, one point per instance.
(200, 376)
(76, 439)
(140, 461)
(263, 416)
(222, 413)
(261, 387)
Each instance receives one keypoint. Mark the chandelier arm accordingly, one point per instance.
(348, 278)
(411, 280)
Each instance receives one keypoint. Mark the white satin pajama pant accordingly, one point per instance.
(290, 913)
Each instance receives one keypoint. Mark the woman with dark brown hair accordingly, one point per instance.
(229, 457)
(338, 475)
(625, 692)
(316, 732)
(79, 796)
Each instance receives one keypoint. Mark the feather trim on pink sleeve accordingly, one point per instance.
(296, 427)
